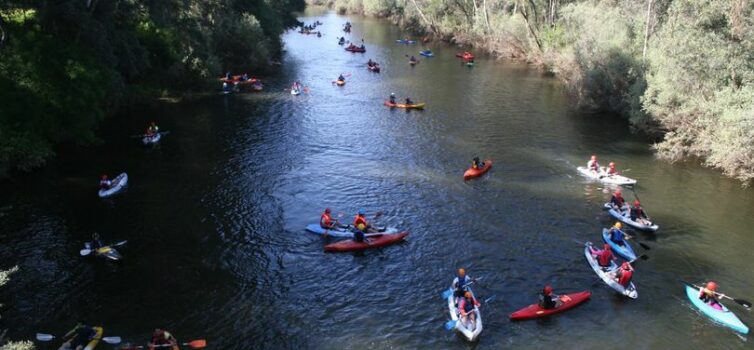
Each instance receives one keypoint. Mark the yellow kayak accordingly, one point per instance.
(403, 105)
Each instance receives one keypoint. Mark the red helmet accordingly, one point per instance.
(594, 157)
(327, 210)
(612, 164)
(606, 247)
(618, 191)
(547, 290)
(625, 265)
(104, 177)
(712, 286)
(636, 203)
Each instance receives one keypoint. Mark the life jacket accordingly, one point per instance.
(604, 257)
(325, 221)
(461, 282)
(637, 212)
(593, 165)
(618, 201)
(360, 220)
(466, 305)
(625, 277)
(616, 235)
(546, 302)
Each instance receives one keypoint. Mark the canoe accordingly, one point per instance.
(355, 49)
(471, 173)
(106, 252)
(403, 105)
(404, 41)
(471, 332)
(625, 217)
(147, 140)
(724, 316)
(375, 69)
(603, 177)
(607, 274)
(625, 252)
(340, 82)
(117, 185)
(92, 343)
(341, 232)
(376, 240)
(567, 302)
(426, 53)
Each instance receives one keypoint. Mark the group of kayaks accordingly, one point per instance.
(84, 337)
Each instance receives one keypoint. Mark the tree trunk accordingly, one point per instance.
(424, 18)
(486, 19)
(646, 32)
(531, 30)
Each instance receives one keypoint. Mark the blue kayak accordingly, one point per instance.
(426, 53)
(404, 41)
(625, 251)
(340, 232)
(724, 316)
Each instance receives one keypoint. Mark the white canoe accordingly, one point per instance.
(117, 185)
(151, 140)
(470, 331)
(624, 215)
(604, 177)
(608, 275)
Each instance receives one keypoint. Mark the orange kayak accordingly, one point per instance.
(472, 173)
(403, 105)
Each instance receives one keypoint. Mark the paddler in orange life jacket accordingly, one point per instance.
(548, 300)
(709, 295)
(593, 165)
(604, 256)
(466, 307)
(326, 220)
(624, 274)
(617, 200)
(362, 227)
(162, 339)
(105, 183)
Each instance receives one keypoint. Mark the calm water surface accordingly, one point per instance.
(215, 215)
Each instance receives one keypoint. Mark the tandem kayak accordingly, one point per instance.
(376, 240)
(341, 232)
(625, 251)
(151, 140)
(722, 316)
(470, 331)
(625, 216)
(604, 177)
(471, 173)
(405, 41)
(116, 186)
(607, 274)
(426, 53)
(567, 302)
(406, 106)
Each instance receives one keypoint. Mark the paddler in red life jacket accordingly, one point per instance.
(105, 183)
(611, 169)
(548, 300)
(461, 283)
(624, 274)
(326, 220)
(604, 256)
(617, 200)
(709, 295)
(466, 308)
(637, 212)
(593, 165)
(162, 339)
(360, 222)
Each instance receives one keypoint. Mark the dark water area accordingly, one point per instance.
(215, 214)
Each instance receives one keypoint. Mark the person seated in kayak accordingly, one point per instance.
(604, 256)
(624, 274)
(408, 101)
(326, 220)
(341, 78)
(152, 129)
(476, 163)
(611, 169)
(392, 98)
(593, 165)
(617, 235)
(461, 283)
(466, 308)
(84, 334)
(548, 300)
(96, 241)
(342, 40)
(363, 47)
(370, 63)
(105, 183)
(709, 295)
(412, 59)
(617, 201)
(360, 222)
(163, 339)
(637, 212)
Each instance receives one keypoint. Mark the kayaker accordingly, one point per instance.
(593, 165)
(604, 256)
(227, 75)
(476, 163)
(466, 307)
(226, 87)
(617, 235)
(392, 98)
(360, 222)
(617, 200)
(105, 183)
(611, 169)
(461, 283)
(412, 59)
(96, 241)
(637, 212)
(341, 77)
(163, 339)
(370, 63)
(624, 274)
(326, 220)
(547, 300)
(152, 129)
(408, 101)
(84, 334)
(709, 294)
(363, 47)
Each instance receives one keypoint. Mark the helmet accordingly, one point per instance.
(467, 294)
(636, 203)
(461, 272)
(618, 192)
(612, 164)
(625, 265)
(392, 94)
(361, 227)
(104, 177)
(712, 286)
(547, 290)
(606, 246)
(361, 212)
(594, 157)
(327, 210)
(618, 225)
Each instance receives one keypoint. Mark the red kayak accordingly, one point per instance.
(355, 49)
(375, 241)
(472, 173)
(465, 55)
(567, 302)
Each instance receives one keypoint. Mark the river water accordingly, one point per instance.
(214, 216)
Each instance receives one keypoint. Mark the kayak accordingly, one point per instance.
(625, 252)
(606, 274)
(117, 185)
(413, 62)
(92, 343)
(355, 49)
(295, 92)
(375, 69)
(341, 232)
(403, 105)
(722, 316)
(472, 173)
(404, 41)
(470, 64)
(603, 177)
(465, 55)
(471, 332)
(567, 302)
(376, 240)
(340, 82)
(106, 252)
(426, 53)
(150, 140)
(625, 217)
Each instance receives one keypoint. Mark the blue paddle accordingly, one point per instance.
(446, 293)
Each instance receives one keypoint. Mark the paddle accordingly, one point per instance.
(741, 302)
(195, 344)
(635, 238)
(48, 337)
(85, 251)
(448, 292)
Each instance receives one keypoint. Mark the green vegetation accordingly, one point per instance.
(682, 70)
(22, 345)
(65, 64)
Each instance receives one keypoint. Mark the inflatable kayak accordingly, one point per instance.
(376, 240)
(607, 274)
(404, 41)
(403, 105)
(375, 69)
(471, 173)
(98, 331)
(604, 177)
(567, 302)
(116, 186)
(426, 53)
(355, 49)
(341, 232)
(722, 316)
(470, 331)
(625, 216)
(151, 140)
(625, 251)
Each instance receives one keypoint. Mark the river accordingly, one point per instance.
(214, 216)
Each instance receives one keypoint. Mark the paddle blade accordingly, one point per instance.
(45, 337)
(197, 344)
(85, 252)
(744, 303)
(119, 244)
(447, 293)
(111, 340)
(644, 246)
(450, 324)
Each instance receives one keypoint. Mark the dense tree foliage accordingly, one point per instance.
(65, 63)
(680, 69)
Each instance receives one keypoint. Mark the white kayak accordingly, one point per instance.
(607, 274)
(470, 331)
(624, 215)
(295, 92)
(151, 140)
(116, 186)
(604, 177)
